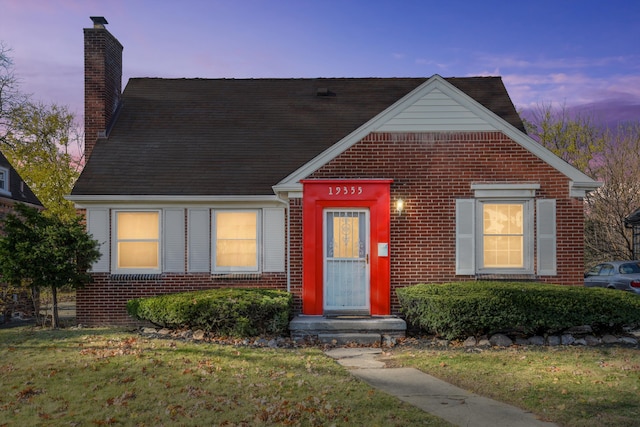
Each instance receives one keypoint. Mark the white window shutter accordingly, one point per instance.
(273, 240)
(465, 237)
(546, 227)
(98, 227)
(173, 241)
(199, 241)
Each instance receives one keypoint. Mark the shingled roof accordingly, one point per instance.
(19, 191)
(242, 136)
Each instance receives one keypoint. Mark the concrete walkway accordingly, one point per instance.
(432, 395)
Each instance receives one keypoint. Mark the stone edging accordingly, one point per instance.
(580, 336)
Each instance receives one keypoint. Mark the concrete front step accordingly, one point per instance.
(350, 338)
(348, 329)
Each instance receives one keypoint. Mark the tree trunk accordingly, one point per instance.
(54, 304)
(35, 299)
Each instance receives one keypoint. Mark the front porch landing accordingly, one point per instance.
(369, 330)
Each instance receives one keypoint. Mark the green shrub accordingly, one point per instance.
(234, 312)
(461, 309)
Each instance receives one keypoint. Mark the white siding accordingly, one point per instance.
(273, 240)
(173, 241)
(199, 240)
(546, 226)
(465, 237)
(436, 111)
(98, 227)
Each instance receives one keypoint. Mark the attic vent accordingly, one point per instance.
(324, 91)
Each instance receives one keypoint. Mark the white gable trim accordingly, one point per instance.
(401, 117)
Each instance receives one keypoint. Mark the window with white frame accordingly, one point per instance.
(4, 180)
(137, 242)
(504, 236)
(236, 241)
(499, 230)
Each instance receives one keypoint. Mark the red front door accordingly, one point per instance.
(345, 239)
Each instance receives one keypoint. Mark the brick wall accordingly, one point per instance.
(432, 170)
(295, 254)
(102, 82)
(103, 302)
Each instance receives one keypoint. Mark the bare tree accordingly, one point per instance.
(618, 166)
(10, 96)
(608, 155)
(575, 138)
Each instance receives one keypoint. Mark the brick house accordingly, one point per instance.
(632, 221)
(14, 190)
(339, 190)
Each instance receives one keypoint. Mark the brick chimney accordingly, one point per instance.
(102, 81)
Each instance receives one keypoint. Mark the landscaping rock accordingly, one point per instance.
(591, 340)
(580, 341)
(484, 342)
(198, 335)
(567, 339)
(521, 341)
(388, 341)
(609, 339)
(500, 340)
(628, 340)
(553, 340)
(536, 340)
(470, 342)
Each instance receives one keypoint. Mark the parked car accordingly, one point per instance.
(623, 275)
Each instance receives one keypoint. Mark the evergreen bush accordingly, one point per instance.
(461, 309)
(232, 312)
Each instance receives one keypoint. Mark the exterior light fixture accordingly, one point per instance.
(399, 206)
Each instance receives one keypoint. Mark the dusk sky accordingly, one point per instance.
(566, 52)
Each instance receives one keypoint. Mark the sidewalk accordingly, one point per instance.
(432, 395)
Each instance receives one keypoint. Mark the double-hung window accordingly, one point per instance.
(505, 236)
(236, 241)
(137, 242)
(505, 230)
(4, 180)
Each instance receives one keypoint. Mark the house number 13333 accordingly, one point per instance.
(340, 190)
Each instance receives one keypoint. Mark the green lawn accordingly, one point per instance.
(571, 386)
(85, 377)
(78, 377)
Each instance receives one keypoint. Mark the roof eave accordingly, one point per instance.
(83, 201)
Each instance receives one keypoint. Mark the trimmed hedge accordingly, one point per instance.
(462, 309)
(229, 312)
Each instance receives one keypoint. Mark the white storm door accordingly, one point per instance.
(346, 261)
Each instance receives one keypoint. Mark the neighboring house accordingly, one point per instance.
(339, 190)
(14, 190)
(633, 222)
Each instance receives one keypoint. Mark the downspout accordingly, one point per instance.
(288, 207)
(288, 247)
